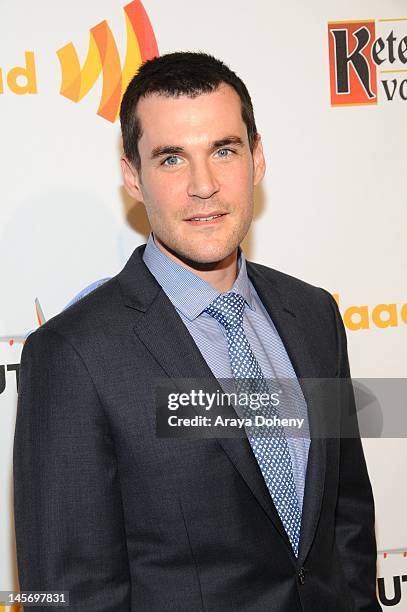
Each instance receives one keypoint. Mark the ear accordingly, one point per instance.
(131, 179)
(259, 163)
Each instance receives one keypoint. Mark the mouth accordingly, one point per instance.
(206, 218)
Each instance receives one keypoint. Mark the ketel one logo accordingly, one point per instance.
(357, 56)
(103, 57)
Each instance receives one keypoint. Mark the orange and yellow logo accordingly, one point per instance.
(380, 315)
(353, 73)
(21, 79)
(103, 57)
(366, 57)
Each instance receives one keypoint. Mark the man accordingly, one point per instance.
(126, 520)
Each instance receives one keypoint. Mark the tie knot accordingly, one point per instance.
(228, 309)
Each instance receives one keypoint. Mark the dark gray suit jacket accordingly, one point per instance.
(127, 521)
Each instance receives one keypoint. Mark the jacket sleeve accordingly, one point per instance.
(67, 503)
(354, 520)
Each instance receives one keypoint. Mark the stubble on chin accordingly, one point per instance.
(202, 251)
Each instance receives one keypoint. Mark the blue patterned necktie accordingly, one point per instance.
(271, 451)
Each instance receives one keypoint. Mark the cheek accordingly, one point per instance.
(240, 174)
(239, 186)
(162, 194)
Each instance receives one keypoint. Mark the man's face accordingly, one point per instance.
(197, 173)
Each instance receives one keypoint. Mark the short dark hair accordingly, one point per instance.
(182, 73)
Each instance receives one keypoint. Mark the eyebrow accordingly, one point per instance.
(176, 150)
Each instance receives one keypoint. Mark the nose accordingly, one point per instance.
(202, 181)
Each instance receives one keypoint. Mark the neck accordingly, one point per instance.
(221, 275)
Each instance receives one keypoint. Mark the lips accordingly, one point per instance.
(206, 217)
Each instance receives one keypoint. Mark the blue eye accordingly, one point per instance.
(227, 151)
(169, 161)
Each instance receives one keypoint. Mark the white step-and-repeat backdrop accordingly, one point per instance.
(329, 87)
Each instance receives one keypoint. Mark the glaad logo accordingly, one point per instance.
(356, 56)
(21, 79)
(380, 315)
(103, 57)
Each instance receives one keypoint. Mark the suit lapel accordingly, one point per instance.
(294, 338)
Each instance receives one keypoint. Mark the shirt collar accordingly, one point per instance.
(187, 291)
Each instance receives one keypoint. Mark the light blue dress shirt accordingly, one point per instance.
(190, 295)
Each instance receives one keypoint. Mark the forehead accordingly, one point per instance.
(183, 119)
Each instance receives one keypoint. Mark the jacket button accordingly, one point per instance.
(301, 576)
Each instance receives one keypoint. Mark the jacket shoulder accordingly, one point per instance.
(291, 287)
(87, 316)
(314, 305)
